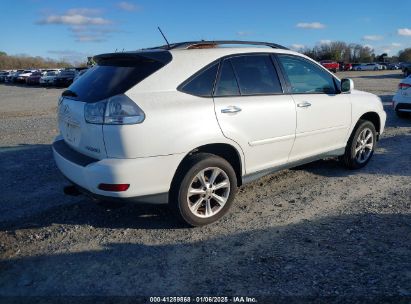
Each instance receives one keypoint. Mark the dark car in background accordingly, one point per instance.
(3, 75)
(21, 78)
(65, 78)
(34, 78)
(406, 68)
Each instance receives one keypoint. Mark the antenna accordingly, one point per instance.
(162, 34)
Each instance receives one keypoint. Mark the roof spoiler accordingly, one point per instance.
(132, 58)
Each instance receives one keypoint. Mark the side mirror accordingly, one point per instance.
(347, 85)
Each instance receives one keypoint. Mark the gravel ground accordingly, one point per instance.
(316, 230)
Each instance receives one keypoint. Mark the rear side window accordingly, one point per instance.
(113, 76)
(256, 75)
(227, 84)
(201, 84)
(305, 76)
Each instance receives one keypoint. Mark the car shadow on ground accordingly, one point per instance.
(351, 255)
(392, 157)
(37, 200)
(44, 194)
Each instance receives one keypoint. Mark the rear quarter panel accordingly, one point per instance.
(174, 123)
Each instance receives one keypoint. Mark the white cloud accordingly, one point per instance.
(76, 19)
(325, 41)
(84, 11)
(297, 46)
(395, 44)
(372, 37)
(404, 32)
(86, 24)
(312, 25)
(89, 38)
(127, 6)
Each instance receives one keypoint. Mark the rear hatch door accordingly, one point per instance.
(114, 74)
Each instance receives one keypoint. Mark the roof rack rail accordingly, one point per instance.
(192, 44)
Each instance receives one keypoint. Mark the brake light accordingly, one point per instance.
(404, 86)
(114, 187)
(116, 110)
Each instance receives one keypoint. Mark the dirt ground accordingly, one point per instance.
(315, 230)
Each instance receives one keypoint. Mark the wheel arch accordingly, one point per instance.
(374, 118)
(224, 150)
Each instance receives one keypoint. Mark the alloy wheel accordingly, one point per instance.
(208, 192)
(364, 145)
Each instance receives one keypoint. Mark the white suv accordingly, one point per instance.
(186, 124)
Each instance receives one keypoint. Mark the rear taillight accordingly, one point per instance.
(404, 86)
(116, 110)
(114, 187)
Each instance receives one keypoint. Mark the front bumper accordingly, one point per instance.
(148, 177)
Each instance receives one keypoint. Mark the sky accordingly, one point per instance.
(74, 29)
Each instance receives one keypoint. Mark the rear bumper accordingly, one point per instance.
(149, 178)
(402, 103)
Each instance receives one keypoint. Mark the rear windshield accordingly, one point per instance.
(112, 76)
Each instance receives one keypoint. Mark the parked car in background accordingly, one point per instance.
(393, 66)
(330, 65)
(345, 66)
(383, 65)
(3, 75)
(368, 67)
(406, 68)
(79, 74)
(34, 78)
(49, 77)
(65, 78)
(13, 75)
(21, 78)
(243, 112)
(402, 99)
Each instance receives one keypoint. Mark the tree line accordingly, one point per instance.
(352, 53)
(8, 62)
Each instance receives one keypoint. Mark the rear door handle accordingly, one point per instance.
(304, 104)
(231, 109)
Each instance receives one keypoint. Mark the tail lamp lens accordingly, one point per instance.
(116, 110)
(404, 86)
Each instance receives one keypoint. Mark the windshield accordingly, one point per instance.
(51, 73)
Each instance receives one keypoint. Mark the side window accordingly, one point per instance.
(256, 75)
(203, 83)
(306, 77)
(227, 84)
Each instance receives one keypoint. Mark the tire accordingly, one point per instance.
(184, 204)
(358, 151)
